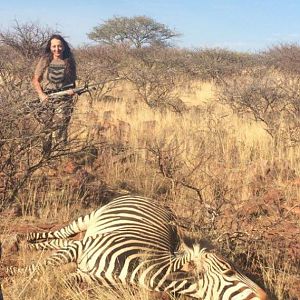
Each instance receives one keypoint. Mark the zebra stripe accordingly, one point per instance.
(139, 212)
(132, 240)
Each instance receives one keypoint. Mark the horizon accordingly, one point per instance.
(248, 26)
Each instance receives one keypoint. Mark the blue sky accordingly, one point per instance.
(242, 25)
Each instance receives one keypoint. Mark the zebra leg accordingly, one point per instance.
(56, 244)
(60, 257)
(77, 226)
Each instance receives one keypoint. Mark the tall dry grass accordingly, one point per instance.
(206, 151)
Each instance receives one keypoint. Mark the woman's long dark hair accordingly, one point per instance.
(67, 57)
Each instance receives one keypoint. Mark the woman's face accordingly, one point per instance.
(57, 48)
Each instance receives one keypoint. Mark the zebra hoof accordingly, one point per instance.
(8, 244)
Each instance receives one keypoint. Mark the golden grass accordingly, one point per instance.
(232, 151)
(198, 93)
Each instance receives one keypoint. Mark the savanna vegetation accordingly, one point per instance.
(213, 133)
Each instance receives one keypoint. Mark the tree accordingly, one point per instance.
(27, 39)
(155, 74)
(284, 57)
(137, 32)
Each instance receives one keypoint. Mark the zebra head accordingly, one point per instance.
(216, 278)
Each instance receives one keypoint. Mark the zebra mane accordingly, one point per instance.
(192, 242)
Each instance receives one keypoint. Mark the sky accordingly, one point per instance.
(239, 25)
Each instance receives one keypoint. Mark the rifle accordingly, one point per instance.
(64, 90)
(36, 105)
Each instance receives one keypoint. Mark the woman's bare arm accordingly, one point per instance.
(36, 82)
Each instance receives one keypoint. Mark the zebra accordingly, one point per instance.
(135, 241)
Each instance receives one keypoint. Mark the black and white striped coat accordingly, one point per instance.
(134, 240)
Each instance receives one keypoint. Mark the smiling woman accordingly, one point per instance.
(55, 69)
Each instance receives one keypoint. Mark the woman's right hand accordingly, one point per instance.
(43, 97)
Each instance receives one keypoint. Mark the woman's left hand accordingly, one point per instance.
(70, 92)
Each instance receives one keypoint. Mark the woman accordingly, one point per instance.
(55, 69)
